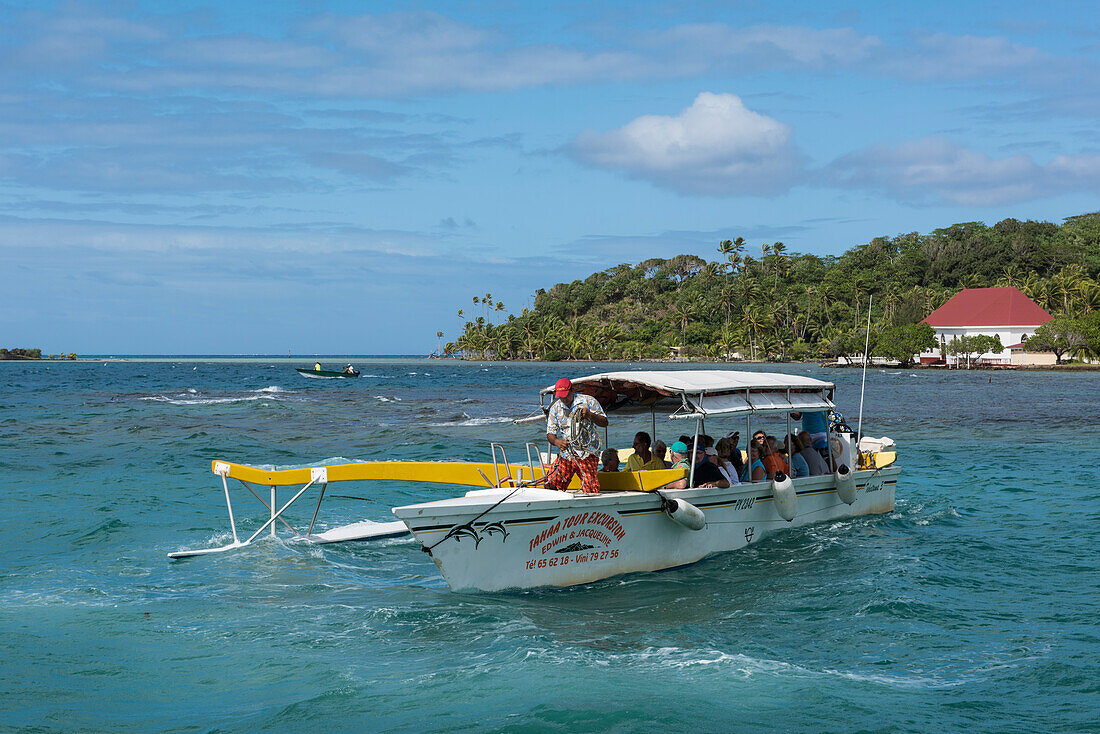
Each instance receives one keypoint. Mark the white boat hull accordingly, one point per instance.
(539, 537)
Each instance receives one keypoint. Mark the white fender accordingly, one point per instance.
(786, 501)
(845, 484)
(685, 513)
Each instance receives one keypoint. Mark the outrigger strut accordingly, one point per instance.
(317, 474)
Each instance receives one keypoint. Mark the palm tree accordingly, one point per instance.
(753, 322)
(499, 307)
(685, 309)
(439, 342)
(778, 248)
(727, 299)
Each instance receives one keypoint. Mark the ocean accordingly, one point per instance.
(973, 606)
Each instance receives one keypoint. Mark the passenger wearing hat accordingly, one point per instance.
(706, 473)
(567, 464)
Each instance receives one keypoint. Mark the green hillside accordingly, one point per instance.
(770, 304)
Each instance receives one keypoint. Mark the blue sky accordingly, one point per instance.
(342, 177)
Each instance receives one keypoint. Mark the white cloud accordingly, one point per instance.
(765, 46)
(716, 146)
(935, 170)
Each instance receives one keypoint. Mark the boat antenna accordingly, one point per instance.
(866, 346)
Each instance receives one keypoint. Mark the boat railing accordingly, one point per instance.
(496, 467)
(531, 462)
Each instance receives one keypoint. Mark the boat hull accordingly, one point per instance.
(542, 538)
(324, 374)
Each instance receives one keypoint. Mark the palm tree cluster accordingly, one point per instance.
(781, 305)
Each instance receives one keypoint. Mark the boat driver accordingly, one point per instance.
(567, 464)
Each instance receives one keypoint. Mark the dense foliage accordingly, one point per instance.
(762, 302)
(20, 354)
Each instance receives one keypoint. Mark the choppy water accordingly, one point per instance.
(973, 606)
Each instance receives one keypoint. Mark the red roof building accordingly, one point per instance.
(975, 307)
(1004, 312)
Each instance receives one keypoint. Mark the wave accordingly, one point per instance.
(464, 419)
(384, 399)
(193, 397)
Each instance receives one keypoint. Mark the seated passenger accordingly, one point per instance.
(660, 453)
(812, 456)
(773, 461)
(754, 469)
(715, 455)
(706, 474)
(610, 460)
(793, 448)
(642, 459)
(725, 449)
(316, 366)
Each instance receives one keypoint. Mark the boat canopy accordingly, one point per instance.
(701, 393)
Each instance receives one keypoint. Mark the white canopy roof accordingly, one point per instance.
(699, 393)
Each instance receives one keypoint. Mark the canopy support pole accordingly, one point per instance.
(694, 450)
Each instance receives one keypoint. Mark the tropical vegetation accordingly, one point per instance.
(763, 302)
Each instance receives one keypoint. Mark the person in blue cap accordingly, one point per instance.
(706, 473)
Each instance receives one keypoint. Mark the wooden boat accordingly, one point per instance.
(511, 533)
(324, 374)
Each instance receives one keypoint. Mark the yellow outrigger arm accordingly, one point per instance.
(464, 473)
(473, 474)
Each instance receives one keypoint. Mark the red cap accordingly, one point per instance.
(562, 387)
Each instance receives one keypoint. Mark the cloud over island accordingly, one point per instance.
(717, 146)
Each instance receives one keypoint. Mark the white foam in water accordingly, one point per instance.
(474, 422)
(384, 399)
(191, 397)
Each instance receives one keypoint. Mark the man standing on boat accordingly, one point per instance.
(568, 463)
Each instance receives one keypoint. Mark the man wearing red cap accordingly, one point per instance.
(567, 464)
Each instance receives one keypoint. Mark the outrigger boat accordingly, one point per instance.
(511, 533)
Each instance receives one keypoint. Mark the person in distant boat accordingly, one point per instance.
(642, 459)
(660, 451)
(349, 370)
(316, 366)
(610, 460)
(567, 463)
(706, 473)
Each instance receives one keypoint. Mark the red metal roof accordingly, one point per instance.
(989, 307)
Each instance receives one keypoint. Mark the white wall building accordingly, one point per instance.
(1004, 312)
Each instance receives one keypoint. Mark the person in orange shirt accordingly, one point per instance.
(773, 460)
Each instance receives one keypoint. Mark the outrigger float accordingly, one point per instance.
(512, 533)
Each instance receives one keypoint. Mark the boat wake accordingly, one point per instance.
(194, 397)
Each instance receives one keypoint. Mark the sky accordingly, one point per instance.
(322, 177)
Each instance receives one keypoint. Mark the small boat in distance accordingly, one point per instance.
(319, 374)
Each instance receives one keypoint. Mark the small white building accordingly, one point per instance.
(1005, 312)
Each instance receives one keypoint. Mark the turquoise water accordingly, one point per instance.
(973, 606)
